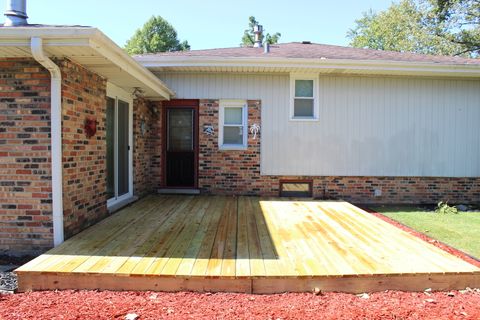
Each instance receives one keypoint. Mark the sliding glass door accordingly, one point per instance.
(118, 150)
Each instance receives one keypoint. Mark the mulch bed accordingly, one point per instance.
(187, 305)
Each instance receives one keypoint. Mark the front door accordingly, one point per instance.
(181, 145)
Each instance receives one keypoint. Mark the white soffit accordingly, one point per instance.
(90, 48)
(323, 66)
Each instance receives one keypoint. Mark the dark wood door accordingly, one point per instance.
(181, 147)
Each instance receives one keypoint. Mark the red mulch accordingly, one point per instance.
(460, 254)
(187, 305)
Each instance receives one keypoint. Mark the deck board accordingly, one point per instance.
(245, 244)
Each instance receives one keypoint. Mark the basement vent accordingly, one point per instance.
(299, 188)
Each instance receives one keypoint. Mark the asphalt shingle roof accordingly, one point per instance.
(298, 50)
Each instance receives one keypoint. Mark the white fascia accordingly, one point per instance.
(56, 137)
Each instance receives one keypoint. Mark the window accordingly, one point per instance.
(233, 125)
(292, 188)
(304, 102)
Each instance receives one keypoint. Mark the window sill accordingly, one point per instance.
(232, 147)
(304, 119)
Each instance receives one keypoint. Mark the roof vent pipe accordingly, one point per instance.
(266, 49)
(258, 30)
(16, 13)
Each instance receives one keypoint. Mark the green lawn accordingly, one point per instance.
(461, 231)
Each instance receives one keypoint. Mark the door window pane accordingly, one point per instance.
(233, 135)
(304, 88)
(303, 108)
(233, 115)
(110, 128)
(123, 163)
(180, 130)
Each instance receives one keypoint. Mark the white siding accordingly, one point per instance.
(369, 126)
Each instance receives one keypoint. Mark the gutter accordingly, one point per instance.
(36, 45)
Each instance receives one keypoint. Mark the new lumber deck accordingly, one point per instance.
(245, 244)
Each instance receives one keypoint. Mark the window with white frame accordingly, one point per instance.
(233, 119)
(304, 101)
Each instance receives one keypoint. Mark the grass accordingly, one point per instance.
(461, 231)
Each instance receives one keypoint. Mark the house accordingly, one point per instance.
(86, 129)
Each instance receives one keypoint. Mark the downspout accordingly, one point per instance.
(36, 46)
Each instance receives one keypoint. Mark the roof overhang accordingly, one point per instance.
(163, 63)
(90, 48)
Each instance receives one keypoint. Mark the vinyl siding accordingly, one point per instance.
(368, 126)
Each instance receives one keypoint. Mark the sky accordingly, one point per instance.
(209, 23)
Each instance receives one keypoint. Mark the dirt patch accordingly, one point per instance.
(187, 305)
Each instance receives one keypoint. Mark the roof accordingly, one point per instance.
(299, 50)
(301, 57)
(88, 47)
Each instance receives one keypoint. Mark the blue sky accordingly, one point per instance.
(210, 24)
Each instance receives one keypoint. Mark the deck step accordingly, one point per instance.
(178, 191)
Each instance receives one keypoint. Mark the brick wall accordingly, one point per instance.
(228, 171)
(238, 172)
(144, 159)
(25, 175)
(84, 164)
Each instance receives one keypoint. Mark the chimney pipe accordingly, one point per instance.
(16, 13)
(266, 49)
(258, 30)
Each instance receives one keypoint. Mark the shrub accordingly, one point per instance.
(445, 208)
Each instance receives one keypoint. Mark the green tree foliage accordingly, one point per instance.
(406, 26)
(248, 38)
(156, 35)
(462, 19)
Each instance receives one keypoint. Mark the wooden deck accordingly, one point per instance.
(245, 244)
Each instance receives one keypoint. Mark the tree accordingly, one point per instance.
(407, 26)
(156, 35)
(462, 17)
(248, 38)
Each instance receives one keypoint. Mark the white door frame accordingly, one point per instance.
(118, 93)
